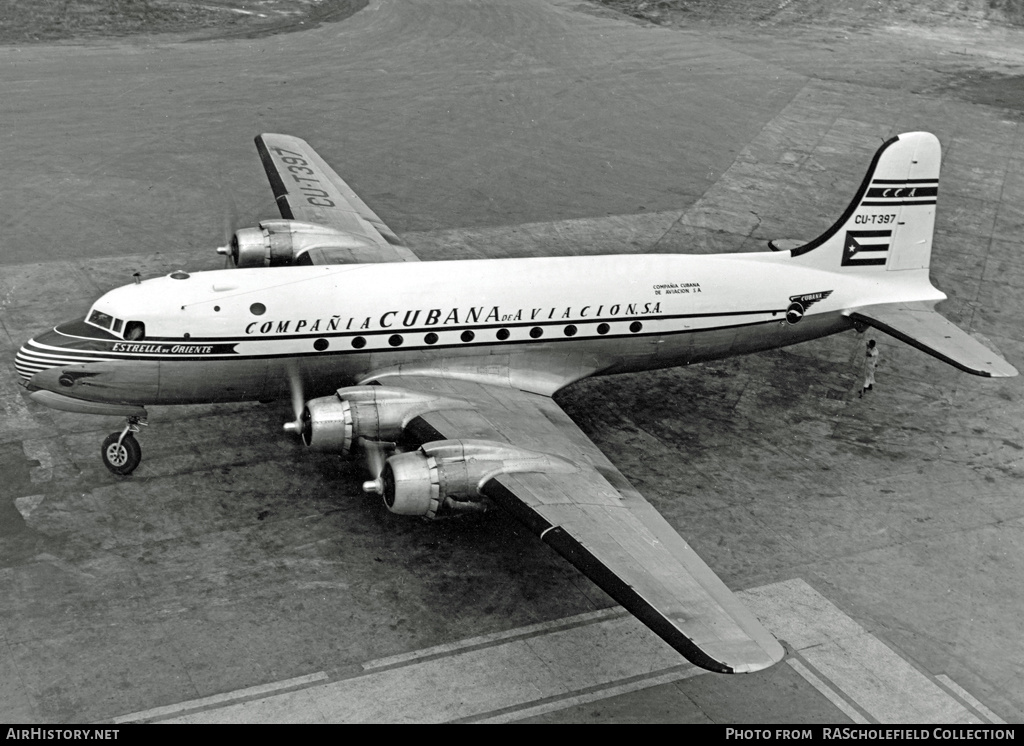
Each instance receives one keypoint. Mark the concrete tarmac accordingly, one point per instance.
(235, 568)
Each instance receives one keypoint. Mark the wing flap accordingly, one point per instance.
(921, 326)
(601, 525)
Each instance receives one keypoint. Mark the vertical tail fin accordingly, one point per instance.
(888, 225)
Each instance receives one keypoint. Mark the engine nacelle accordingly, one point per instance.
(336, 423)
(277, 243)
(447, 476)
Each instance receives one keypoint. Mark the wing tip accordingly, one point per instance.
(747, 656)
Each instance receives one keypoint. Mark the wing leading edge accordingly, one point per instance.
(597, 521)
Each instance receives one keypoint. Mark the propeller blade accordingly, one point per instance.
(230, 225)
(298, 400)
(376, 455)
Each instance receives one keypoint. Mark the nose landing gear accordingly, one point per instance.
(121, 452)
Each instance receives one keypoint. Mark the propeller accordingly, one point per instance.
(230, 225)
(297, 425)
(376, 455)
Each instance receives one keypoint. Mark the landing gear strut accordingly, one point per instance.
(121, 452)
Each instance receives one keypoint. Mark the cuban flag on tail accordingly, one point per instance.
(866, 248)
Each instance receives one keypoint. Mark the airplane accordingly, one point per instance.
(443, 372)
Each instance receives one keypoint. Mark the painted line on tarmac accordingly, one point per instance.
(870, 675)
(494, 637)
(829, 694)
(684, 672)
(551, 666)
(970, 699)
(162, 713)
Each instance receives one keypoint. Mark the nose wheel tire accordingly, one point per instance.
(121, 455)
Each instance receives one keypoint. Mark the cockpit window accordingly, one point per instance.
(108, 323)
(100, 319)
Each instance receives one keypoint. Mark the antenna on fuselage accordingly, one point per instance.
(137, 277)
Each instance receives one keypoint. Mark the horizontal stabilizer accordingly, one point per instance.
(919, 325)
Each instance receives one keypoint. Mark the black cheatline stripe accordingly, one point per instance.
(345, 333)
(69, 354)
(421, 346)
(31, 367)
(60, 359)
(584, 561)
(906, 181)
(876, 192)
(851, 208)
(167, 357)
(898, 202)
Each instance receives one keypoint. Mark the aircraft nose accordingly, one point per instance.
(28, 363)
(34, 357)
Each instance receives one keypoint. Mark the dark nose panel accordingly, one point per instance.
(129, 382)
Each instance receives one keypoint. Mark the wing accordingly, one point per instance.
(595, 519)
(921, 326)
(307, 189)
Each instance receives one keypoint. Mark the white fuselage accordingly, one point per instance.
(535, 323)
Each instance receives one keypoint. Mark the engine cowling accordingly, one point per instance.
(447, 476)
(336, 423)
(277, 243)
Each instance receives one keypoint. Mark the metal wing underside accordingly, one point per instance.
(597, 521)
(308, 190)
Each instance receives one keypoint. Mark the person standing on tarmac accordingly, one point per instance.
(870, 363)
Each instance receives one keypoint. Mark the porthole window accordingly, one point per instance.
(502, 334)
(635, 327)
(603, 328)
(430, 339)
(321, 344)
(570, 331)
(359, 343)
(467, 336)
(536, 332)
(257, 309)
(395, 340)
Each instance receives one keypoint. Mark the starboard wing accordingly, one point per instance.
(597, 521)
(921, 326)
(308, 190)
